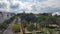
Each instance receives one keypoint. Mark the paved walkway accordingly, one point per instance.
(8, 30)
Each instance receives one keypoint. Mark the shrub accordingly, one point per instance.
(59, 33)
(31, 27)
(43, 32)
(51, 31)
(16, 28)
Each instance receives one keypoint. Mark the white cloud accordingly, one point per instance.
(52, 3)
(33, 5)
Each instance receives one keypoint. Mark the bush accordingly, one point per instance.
(16, 28)
(31, 27)
(43, 32)
(59, 33)
(51, 31)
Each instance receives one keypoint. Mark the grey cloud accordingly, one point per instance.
(3, 5)
(50, 9)
(16, 6)
(41, 6)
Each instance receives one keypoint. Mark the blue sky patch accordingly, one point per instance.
(41, 0)
(24, 0)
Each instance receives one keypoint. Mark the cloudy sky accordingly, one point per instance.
(35, 6)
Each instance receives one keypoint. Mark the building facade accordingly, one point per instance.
(5, 15)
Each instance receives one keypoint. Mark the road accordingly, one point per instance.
(8, 30)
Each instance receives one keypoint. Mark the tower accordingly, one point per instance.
(23, 12)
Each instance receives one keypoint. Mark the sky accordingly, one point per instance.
(34, 6)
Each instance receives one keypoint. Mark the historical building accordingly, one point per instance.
(1, 17)
(5, 16)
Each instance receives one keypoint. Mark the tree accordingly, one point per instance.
(58, 21)
(24, 24)
(31, 27)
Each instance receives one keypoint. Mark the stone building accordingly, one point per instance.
(5, 16)
(1, 17)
